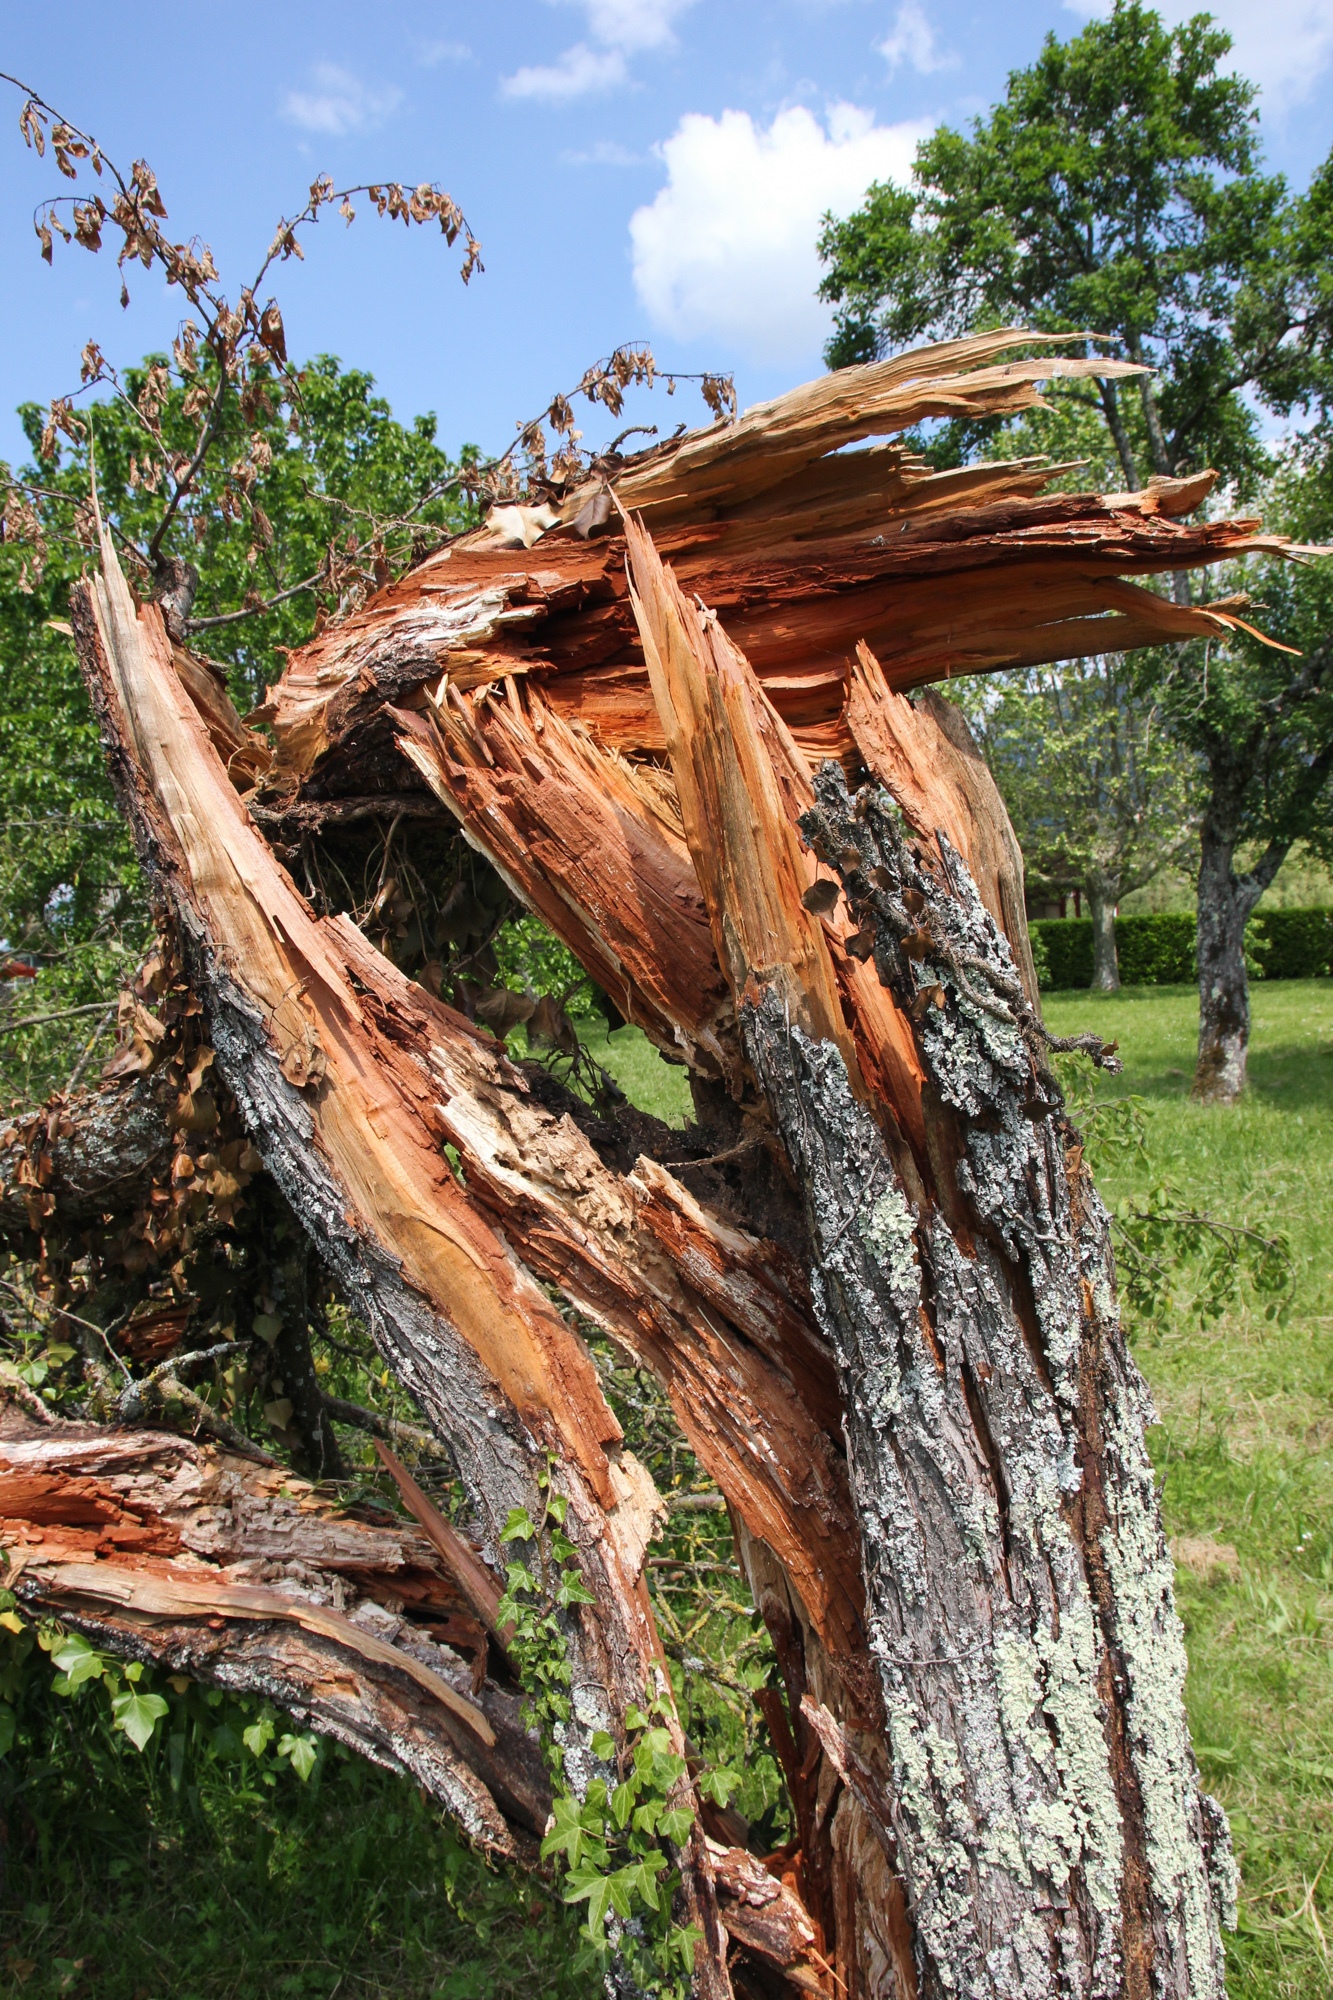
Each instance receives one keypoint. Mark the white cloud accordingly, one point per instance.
(434, 53)
(579, 72)
(623, 27)
(340, 103)
(632, 24)
(728, 246)
(1285, 46)
(911, 40)
(604, 153)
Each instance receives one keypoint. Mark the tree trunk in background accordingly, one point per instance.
(1102, 899)
(1226, 902)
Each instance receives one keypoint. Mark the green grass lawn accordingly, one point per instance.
(1245, 1449)
(646, 1078)
(351, 1887)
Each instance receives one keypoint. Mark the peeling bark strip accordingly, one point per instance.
(304, 1021)
(917, 1403)
(204, 1563)
(1041, 1801)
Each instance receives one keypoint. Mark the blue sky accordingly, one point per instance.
(633, 168)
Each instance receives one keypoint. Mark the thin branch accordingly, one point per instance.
(183, 484)
(257, 610)
(97, 1034)
(391, 1429)
(41, 1020)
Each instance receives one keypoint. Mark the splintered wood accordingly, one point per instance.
(676, 721)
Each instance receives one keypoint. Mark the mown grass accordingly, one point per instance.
(352, 1887)
(1245, 1449)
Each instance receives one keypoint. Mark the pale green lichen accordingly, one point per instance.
(887, 1235)
(1152, 1648)
(1049, 1707)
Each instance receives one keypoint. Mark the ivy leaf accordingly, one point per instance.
(569, 1834)
(518, 1528)
(685, 1937)
(676, 1824)
(573, 1590)
(302, 1752)
(587, 1885)
(622, 1886)
(644, 1882)
(718, 1785)
(78, 1662)
(557, 1507)
(258, 1736)
(8, 1724)
(603, 1746)
(635, 1718)
(138, 1715)
(622, 1803)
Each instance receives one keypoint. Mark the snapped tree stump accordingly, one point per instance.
(670, 708)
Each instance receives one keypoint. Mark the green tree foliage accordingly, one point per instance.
(334, 465)
(1100, 794)
(1117, 188)
(301, 471)
(1260, 720)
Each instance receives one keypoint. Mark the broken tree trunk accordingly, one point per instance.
(902, 1365)
(1030, 1778)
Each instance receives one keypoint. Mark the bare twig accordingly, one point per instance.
(44, 1020)
(391, 1429)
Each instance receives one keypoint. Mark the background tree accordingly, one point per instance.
(1100, 795)
(1119, 187)
(70, 895)
(1261, 722)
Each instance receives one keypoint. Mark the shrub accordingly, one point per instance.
(1292, 944)
(1067, 945)
(1158, 950)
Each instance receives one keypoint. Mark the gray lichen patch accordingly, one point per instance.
(887, 1234)
(1151, 1644)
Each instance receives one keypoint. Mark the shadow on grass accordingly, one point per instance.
(116, 1887)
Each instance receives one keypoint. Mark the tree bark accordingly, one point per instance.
(1022, 1756)
(1102, 898)
(889, 1334)
(1226, 901)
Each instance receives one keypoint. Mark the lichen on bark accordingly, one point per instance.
(1030, 1658)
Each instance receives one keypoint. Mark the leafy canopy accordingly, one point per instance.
(1099, 793)
(1116, 188)
(1260, 716)
(70, 892)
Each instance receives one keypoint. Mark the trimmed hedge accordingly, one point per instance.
(1292, 944)
(1159, 950)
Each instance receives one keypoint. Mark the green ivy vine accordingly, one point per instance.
(137, 1700)
(611, 1840)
